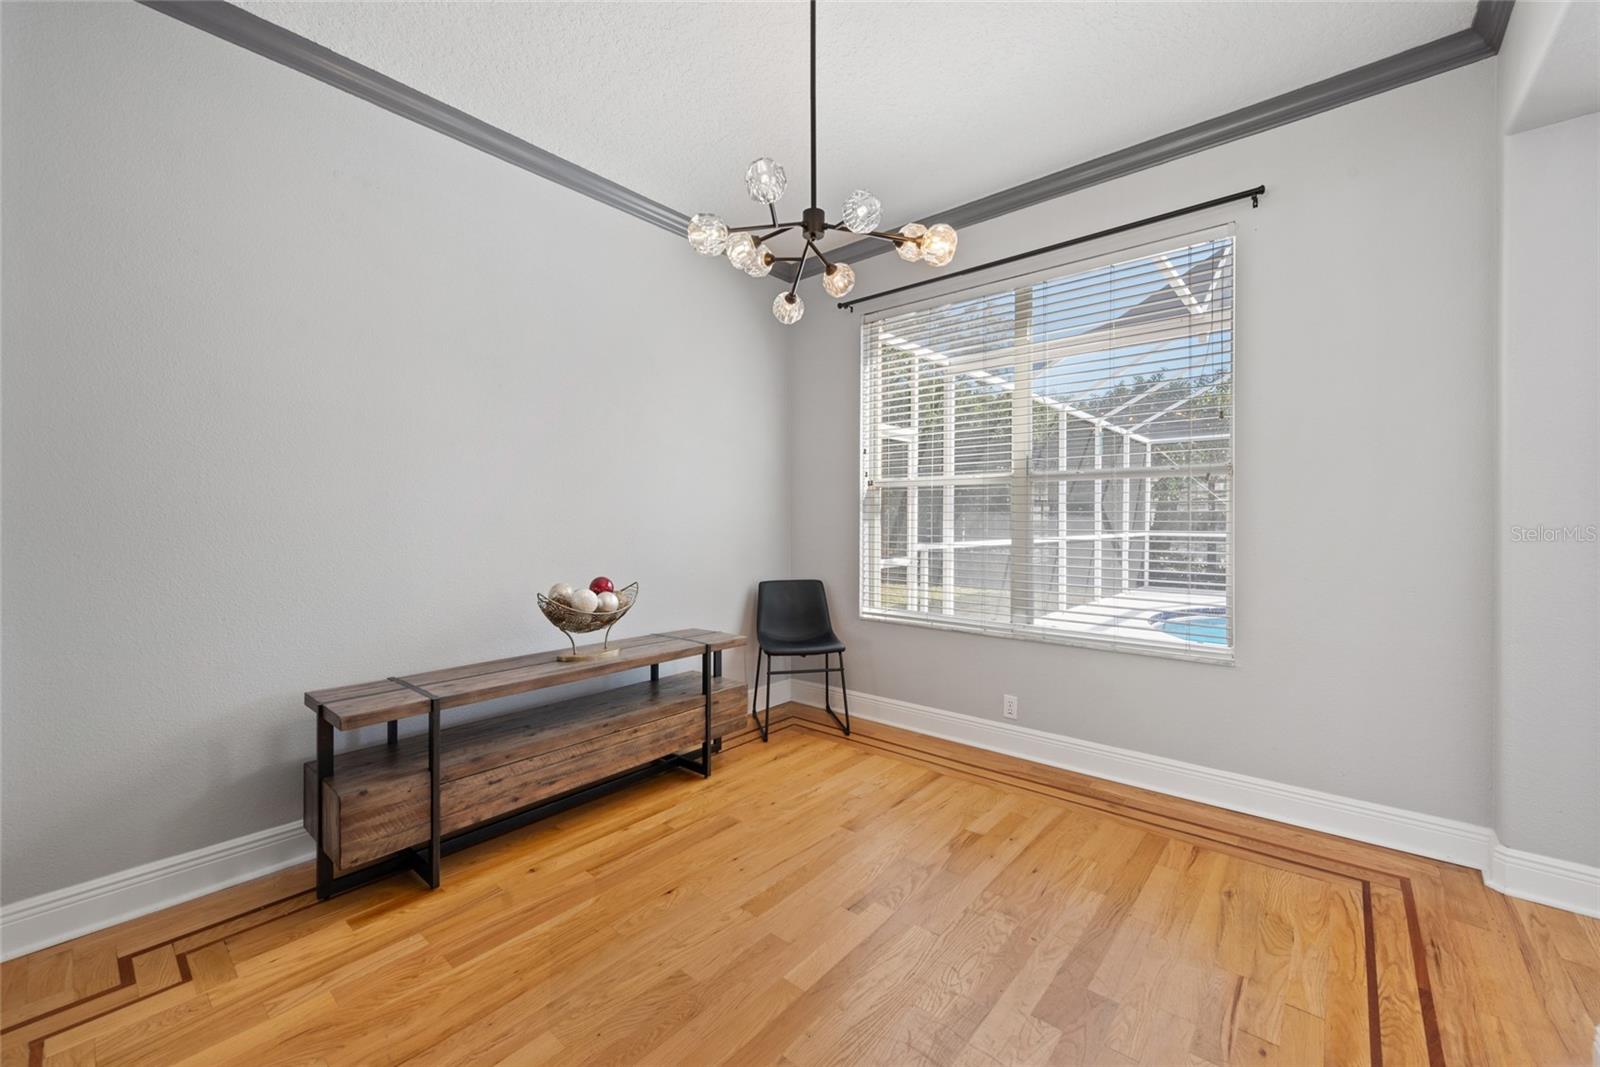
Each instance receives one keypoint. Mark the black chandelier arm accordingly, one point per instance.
(799, 271)
(781, 227)
(897, 238)
(772, 210)
(818, 251)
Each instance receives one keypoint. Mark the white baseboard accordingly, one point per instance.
(50, 918)
(782, 692)
(1558, 883)
(1544, 880)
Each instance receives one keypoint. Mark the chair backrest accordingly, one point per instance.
(791, 609)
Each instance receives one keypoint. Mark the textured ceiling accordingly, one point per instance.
(926, 104)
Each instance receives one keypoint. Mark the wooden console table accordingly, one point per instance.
(405, 804)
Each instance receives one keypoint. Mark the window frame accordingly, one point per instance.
(870, 568)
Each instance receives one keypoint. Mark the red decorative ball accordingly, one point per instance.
(602, 584)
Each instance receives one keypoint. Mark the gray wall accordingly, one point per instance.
(1548, 741)
(297, 393)
(1365, 365)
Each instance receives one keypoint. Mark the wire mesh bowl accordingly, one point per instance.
(569, 620)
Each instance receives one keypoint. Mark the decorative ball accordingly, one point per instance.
(560, 591)
(583, 600)
(601, 584)
(862, 212)
(608, 601)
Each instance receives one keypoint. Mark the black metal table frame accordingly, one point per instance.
(426, 861)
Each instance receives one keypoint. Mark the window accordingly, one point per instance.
(1053, 459)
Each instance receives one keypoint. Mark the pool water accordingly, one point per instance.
(1200, 627)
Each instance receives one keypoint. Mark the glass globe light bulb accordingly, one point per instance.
(742, 251)
(766, 180)
(939, 245)
(708, 235)
(761, 263)
(839, 279)
(787, 308)
(862, 212)
(911, 251)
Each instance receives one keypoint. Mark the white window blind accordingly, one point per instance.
(1052, 457)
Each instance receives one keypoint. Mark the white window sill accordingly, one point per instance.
(1194, 652)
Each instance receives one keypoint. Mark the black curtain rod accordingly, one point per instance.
(1253, 195)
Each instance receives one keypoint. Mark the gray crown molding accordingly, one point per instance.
(268, 39)
(1458, 49)
(1489, 21)
(272, 41)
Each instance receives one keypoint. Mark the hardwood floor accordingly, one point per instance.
(887, 899)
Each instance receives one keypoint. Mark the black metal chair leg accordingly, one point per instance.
(767, 729)
(845, 689)
(827, 693)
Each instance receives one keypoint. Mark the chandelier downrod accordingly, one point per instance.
(813, 103)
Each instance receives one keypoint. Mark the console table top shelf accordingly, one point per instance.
(403, 697)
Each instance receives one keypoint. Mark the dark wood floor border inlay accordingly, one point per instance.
(127, 978)
(1369, 938)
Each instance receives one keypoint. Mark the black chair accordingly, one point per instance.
(792, 620)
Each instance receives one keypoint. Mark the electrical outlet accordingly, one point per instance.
(1009, 708)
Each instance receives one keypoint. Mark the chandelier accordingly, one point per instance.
(746, 246)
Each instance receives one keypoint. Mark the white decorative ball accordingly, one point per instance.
(583, 600)
(560, 591)
(608, 602)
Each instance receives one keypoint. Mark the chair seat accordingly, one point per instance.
(810, 646)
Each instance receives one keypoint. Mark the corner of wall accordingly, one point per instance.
(1497, 474)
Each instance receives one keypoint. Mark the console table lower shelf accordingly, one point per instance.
(405, 804)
